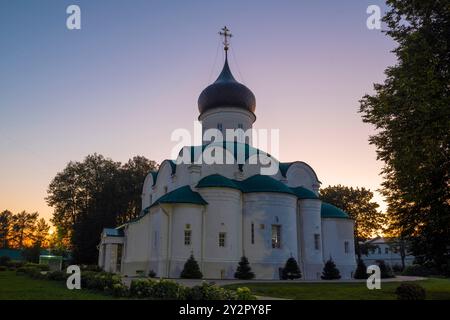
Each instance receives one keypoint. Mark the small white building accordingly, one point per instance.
(220, 212)
(388, 250)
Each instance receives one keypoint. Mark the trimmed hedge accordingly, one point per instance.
(112, 284)
(170, 290)
(419, 271)
(410, 291)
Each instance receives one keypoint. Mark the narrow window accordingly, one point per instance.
(276, 236)
(386, 250)
(222, 239)
(253, 233)
(346, 247)
(317, 241)
(187, 237)
(379, 250)
(165, 189)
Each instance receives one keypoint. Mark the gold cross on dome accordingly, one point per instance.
(226, 35)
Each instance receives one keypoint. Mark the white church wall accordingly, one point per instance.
(300, 174)
(264, 210)
(310, 227)
(185, 217)
(136, 250)
(227, 118)
(163, 181)
(336, 232)
(223, 215)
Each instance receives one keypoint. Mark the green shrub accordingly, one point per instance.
(167, 290)
(191, 269)
(385, 270)
(244, 293)
(140, 273)
(4, 260)
(3, 268)
(42, 267)
(101, 281)
(396, 268)
(361, 270)
(244, 271)
(141, 288)
(14, 264)
(417, 270)
(410, 291)
(21, 270)
(291, 270)
(207, 291)
(330, 272)
(119, 290)
(56, 276)
(91, 267)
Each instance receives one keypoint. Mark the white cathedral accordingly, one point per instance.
(221, 212)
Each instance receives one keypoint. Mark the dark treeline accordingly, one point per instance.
(93, 194)
(411, 112)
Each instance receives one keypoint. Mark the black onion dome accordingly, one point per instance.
(226, 91)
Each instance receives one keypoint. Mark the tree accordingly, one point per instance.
(191, 269)
(361, 270)
(291, 270)
(91, 195)
(330, 272)
(5, 228)
(411, 113)
(40, 236)
(23, 228)
(358, 203)
(32, 253)
(132, 182)
(244, 271)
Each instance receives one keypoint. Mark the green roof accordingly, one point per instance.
(263, 183)
(256, 183)
(330, 211)
(303, 193)
(217, 181)
(154, 175)
(181, 195)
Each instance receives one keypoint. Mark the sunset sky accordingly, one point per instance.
(133, 73)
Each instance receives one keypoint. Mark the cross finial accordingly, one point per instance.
(226, 35)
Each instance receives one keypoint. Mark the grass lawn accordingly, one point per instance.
(24, 288)
(437, 289)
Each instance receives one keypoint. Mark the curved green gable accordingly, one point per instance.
(330, 211)
(181, 195)
(217, 181)
(263, 183)
(303, 193)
